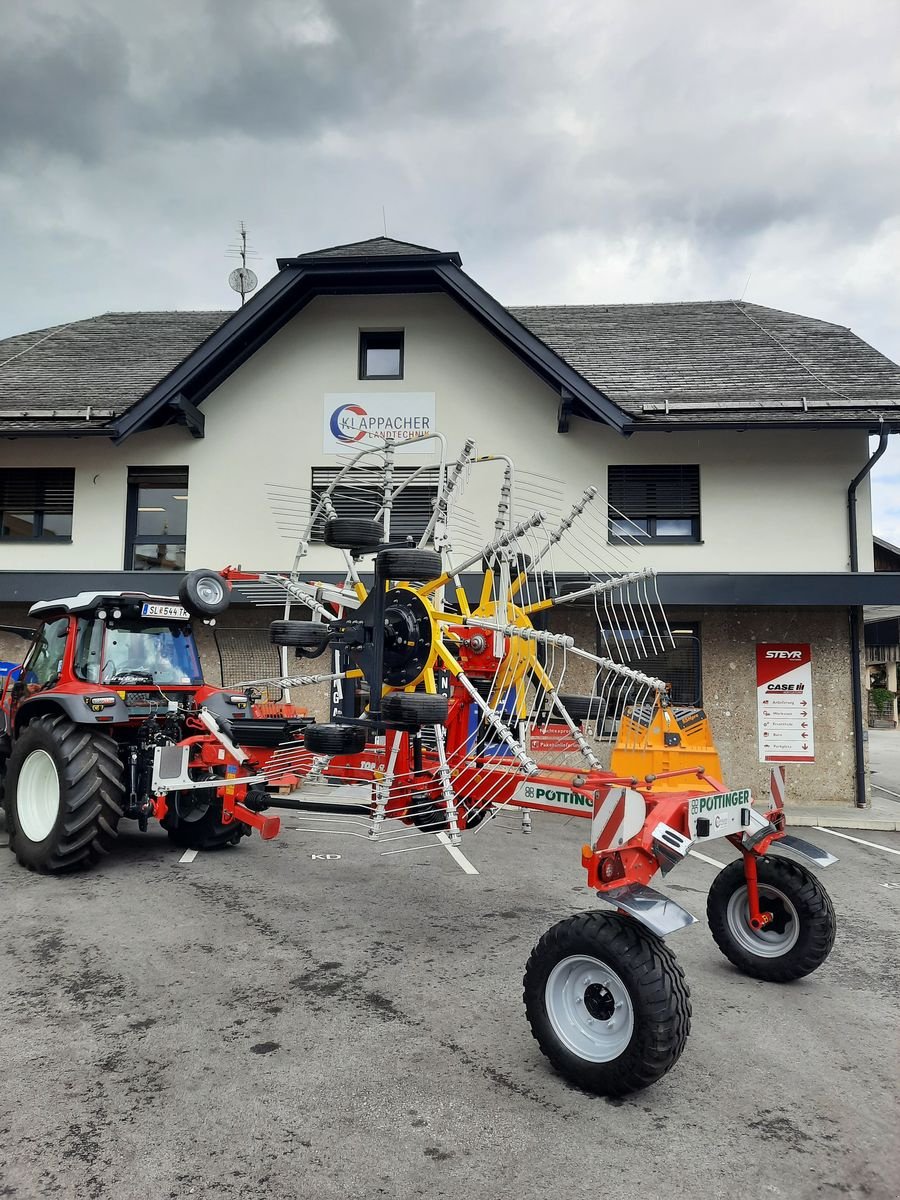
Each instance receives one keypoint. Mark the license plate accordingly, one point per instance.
(720, 814)
(168, 612)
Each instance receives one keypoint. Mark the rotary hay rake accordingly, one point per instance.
(451, 703)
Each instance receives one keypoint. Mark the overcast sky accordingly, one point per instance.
(572, 150)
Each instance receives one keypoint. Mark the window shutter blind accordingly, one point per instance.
(666, 491)
(363, 497)
(46, 490)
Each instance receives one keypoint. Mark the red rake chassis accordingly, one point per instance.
(638, 828)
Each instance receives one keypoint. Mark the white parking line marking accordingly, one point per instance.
(879, 787)
(189, 856)
(859, 841)
(456, 854)
(713, 862)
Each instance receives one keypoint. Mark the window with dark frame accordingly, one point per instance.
(36, 505)
(680, 665)
(363, 497)
(156, 518)
(654, 503)
(381, 354)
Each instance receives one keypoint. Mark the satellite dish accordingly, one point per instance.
(242, 280)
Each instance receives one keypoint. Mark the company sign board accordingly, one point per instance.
(350, 418)
(784, 702)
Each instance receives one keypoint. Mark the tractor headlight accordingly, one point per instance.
(98, 703)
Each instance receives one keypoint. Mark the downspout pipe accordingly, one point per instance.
(856, 621)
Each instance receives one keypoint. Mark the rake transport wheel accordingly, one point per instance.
(414, 708)
(204, 593)
(799, 937)
(310, 638)
(359, 535)
(334, 739)
(607, 1003)
(194, 821)
(63, 795)
(404, 565)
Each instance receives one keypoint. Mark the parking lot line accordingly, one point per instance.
(713, 862)
(879, 787)
(189, 856)
(859, 841)
(456, 853)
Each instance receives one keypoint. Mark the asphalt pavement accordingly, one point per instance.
(268, 1021)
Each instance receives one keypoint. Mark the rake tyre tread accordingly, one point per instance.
(334, 739)
(656, 985)
(411, 565)
(359, 535)
(414, 708)
(91, 787)
(814, 910)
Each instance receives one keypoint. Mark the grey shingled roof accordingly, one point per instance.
(376, 247)
(711, 359)
(86, 373)
(688, 363)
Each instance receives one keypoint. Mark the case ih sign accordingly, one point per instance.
(784, 702)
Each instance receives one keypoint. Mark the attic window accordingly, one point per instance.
(381, 355)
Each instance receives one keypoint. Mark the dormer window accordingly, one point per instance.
(381, 355)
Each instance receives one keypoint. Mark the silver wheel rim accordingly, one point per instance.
(589, 1008)
(37, 796)
(768, 942)
(209, 590)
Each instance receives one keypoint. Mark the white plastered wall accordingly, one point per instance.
(771, 501)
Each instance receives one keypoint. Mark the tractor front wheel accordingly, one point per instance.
(607, 1003)
(63, 795)
(800, 934)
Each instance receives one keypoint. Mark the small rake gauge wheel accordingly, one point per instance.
(204, 593)
(310, 635)
(414, 708)
(607, 1003)
(334, 739)
(359, 535)
(799, 937)
(406, 565)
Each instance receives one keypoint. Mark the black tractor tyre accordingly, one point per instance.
(414, 708)
(587, 978)
(359, 535)
(312, 635)
(205, 830)
(204, 593)
(335, 739)
(579, 708)
(404, 565)
(64, 793)
(799, 938)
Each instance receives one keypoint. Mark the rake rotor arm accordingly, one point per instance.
(499, 543)
(594, 589)
(448, 487)
(647, 681)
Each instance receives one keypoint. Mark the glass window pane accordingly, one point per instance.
(18, 525)
(161, 511)
(57, 525)
(674, 527)
(158, 556)
(626, 527)
(382, 360)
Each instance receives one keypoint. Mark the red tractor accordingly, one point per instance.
(109, 678)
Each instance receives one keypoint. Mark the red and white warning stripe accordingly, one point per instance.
(618, 815)
(776, 786)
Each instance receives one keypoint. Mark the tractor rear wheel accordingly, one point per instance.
(63, 795)
(607, 1003)
(797, 939)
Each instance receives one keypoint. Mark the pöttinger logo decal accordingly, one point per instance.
(344, 428)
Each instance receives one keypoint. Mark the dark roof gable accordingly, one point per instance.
(376, 247)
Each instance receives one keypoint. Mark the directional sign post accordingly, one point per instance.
(784, 702)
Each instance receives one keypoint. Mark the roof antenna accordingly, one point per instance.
(384, 220)
(746, 285)
(242, 279)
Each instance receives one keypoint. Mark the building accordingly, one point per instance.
(882, 648)
(138, 444)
